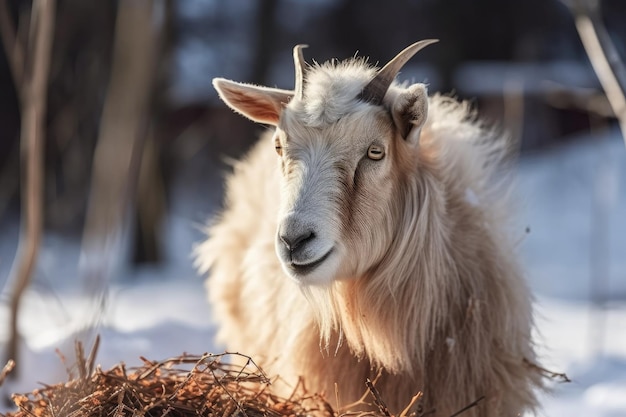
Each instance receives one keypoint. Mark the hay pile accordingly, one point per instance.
(185, 386)
(207, 385)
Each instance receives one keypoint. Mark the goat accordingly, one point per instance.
(373, 240)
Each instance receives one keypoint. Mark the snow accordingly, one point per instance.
(572, 198)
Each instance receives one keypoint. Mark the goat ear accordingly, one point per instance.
(260, 104)
(409, 111)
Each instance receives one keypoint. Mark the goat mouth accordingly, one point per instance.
(303, 269)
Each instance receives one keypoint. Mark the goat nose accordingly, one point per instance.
(294, 242)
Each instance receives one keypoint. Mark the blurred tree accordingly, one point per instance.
(79, 75)
(80, 69)
(124, 127)
(29, 60)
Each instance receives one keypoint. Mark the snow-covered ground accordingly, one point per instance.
(575, 206)
(572, 198)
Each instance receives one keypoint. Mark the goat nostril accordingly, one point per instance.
(293, 243)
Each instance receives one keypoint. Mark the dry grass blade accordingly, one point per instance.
(91, 359)
(80, 360)
(467, 407)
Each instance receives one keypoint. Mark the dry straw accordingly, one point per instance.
(185, 386)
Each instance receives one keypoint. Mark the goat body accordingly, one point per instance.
(368, 233)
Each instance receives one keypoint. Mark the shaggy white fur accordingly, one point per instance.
(357, 249)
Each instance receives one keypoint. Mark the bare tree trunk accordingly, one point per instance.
(33, 102)
(603, 56)
(117, 159)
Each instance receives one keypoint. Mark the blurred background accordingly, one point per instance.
(136, 142)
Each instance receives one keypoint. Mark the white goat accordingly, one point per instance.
(372, 238)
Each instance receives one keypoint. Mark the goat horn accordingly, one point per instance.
(298, 60)
(377, 88)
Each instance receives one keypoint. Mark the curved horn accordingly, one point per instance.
(299, 63)
(377, 88)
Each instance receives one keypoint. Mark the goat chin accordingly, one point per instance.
(423, 293)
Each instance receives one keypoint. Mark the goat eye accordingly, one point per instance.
(279, 149)
(375, 152)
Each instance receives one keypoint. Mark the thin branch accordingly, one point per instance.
(6, 371)
(377, 398)
(559, 377)
(603, 56)
(34, 91)
(417, 397)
